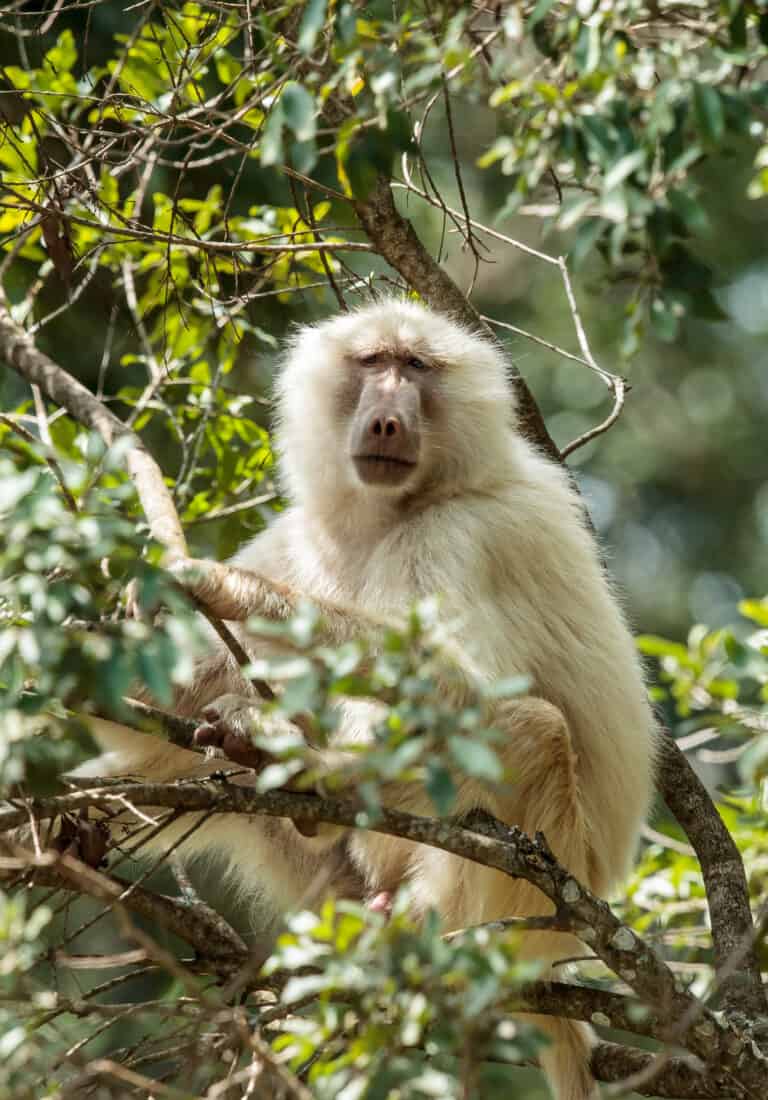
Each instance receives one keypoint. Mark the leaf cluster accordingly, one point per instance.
(397, 1009)
(63, 576)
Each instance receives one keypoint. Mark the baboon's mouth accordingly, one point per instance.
(387, 459)
(384, 470)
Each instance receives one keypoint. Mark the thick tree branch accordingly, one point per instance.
(732, 1067)
(738, 970)
(675, 1078)
(596, 1006)
(733, 934)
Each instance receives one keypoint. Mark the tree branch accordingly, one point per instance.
(212, 939)
(733, 934)
(19, 350)
(487, 842)
(675, 1078)
(596, 1006)
(177, 729)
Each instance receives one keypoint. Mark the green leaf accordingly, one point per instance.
(706, 306)
(311, 24)
(684, 271)
(538, 13)
(227, 68)
(654, 646)
(708, 109)
(762, 28)
(303, 155)
(61, 57)
(756, 610)
(476, 758)
(587, 236)
(271, 147)
(154, 675)
(440, 787)
(738, 654)
(298, 108)
(723, 689)
(368, 154)
(586, 52)
(689, 210)
(738, 27)
(623, 167)
(664, 318)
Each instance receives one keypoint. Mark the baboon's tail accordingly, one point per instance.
(566, 1061)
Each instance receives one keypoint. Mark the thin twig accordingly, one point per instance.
(49, 458)
(619, 396)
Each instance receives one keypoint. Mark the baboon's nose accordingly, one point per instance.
(386, 426)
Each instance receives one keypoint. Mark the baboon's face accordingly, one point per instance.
(388, 396)
(392, 399)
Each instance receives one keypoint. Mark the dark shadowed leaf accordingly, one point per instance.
(440, 787)
(708, 108)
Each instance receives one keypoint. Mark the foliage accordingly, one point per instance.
(61, 577)
(182, 181)
(615, 110)
(421, 736)
(714, 691)
(388, 993)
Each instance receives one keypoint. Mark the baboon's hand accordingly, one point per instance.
(229, 723)
(82, 838)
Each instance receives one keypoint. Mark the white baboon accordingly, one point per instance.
(406, 477)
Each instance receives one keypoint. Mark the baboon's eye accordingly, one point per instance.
(416, 363)
(370, 360)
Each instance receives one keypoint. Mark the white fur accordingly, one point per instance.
(497, 531)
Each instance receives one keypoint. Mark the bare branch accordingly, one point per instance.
(619, 396)
(200, 244)
(531, 421)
